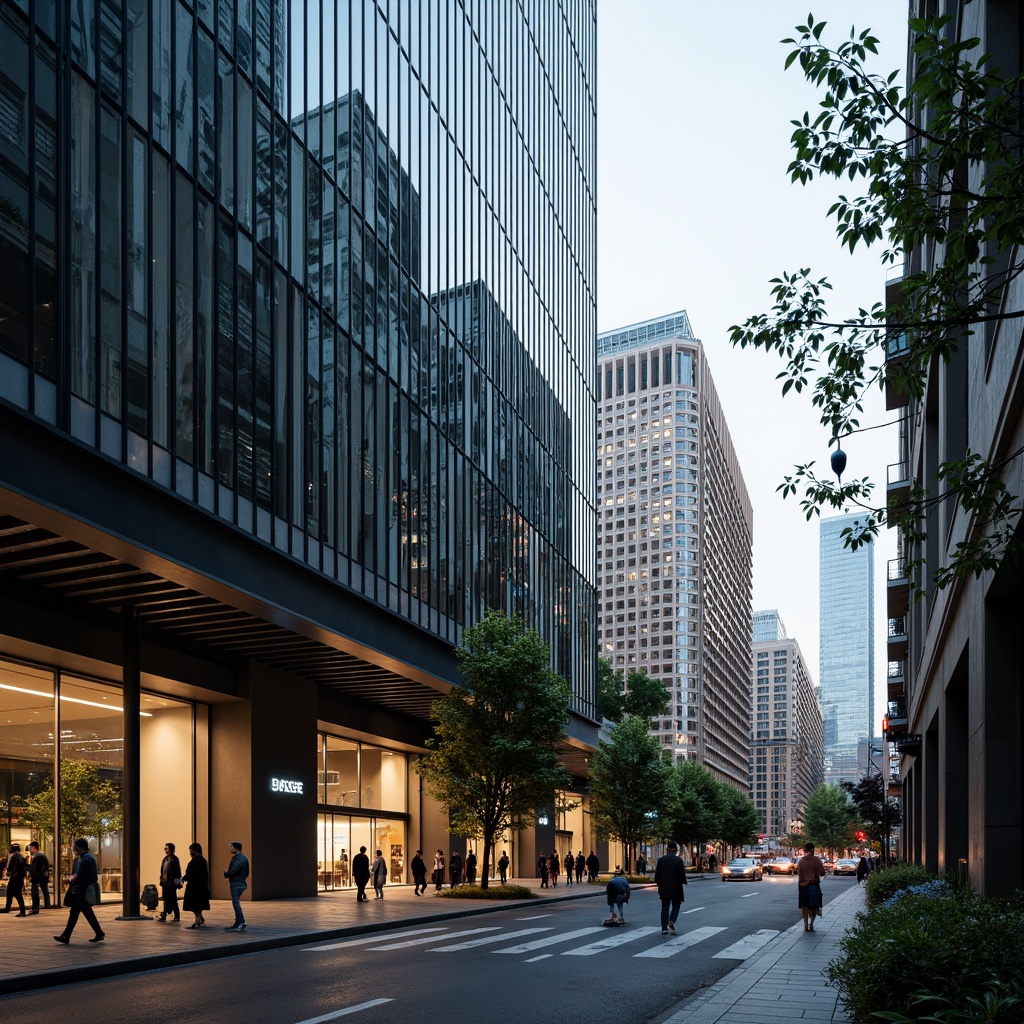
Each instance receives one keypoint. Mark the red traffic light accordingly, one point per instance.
(885, 726)
(861, 836)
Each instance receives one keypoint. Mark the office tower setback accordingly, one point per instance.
(674, 540)
(846, 603)
(786, 738)
(297, 379)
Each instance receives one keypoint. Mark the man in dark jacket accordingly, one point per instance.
(670, 877)
(593, 865)
(455, 869)
(170, 876)
(16, 871)
(83, 877)
(419, 874)
(237, 875)
(361, 874)
(39, 876)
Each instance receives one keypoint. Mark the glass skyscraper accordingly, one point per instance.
(297, 341)
(846, 690)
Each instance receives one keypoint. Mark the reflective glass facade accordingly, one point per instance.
(847, 645)
(326, 271)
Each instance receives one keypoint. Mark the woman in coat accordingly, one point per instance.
(197, 885)
(380, 875)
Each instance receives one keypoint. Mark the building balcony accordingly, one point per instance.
(897, 483)
(897, 356)
(897, 591)
(896, 682)
(897, 638)
(896, 712)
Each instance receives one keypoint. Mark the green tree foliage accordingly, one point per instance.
(609, 691)
(740, 820)
(939, 167)
(695, 810)
(493, 759)
(89, 804)
(640, 695)
(628, 784)
(829, 819)
(873, 814)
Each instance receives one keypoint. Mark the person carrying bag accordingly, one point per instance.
(83, 893)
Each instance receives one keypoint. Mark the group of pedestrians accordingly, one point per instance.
(35, 869)
(549, 867)
(363, 871)
(670, 878)
(195, 880)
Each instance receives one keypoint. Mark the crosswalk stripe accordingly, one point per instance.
(487, 939)
(620, 938)
(680, 942)
(550, 940)
(747, 946)
(346, 1011)
(693, 910)
(432, 938)
(368, 939)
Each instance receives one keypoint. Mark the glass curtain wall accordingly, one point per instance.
(370, 340)
(80, 796)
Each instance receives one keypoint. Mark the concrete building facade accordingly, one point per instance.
(674, 540)
(786, 735)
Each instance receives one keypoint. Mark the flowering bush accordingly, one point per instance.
(936, 889)
(880, 885)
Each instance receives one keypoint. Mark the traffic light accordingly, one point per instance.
(861, 836)
(885, 727)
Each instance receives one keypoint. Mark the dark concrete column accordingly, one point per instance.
(131, 766)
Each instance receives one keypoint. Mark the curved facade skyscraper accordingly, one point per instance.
(297, 378)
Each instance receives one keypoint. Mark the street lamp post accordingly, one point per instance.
(885, 793)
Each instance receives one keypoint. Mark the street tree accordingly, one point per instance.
(628, 785)
(829, 818)
(609, 691)
(936, 168)
(877, 812)
(493, 759)
(740, 819)
(695, 809)
(639, 694)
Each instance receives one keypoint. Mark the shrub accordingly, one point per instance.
(492, 892)
(887, 882)
(921, 953)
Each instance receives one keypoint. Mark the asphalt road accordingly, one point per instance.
(550, 965)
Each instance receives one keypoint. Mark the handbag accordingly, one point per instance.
(92, 894)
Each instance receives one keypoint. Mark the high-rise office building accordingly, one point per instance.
(786, 737)
(297, 378)
(674, 540)
(846, 601)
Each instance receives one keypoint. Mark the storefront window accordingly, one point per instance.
(341, 777)
(383, 779)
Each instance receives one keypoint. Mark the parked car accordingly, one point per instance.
(780, 866)
(830, 865)
(845, 866)
(741, 868)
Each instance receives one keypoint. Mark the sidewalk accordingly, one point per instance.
(783, 981)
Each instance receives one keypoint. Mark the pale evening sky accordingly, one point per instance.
(696, 212)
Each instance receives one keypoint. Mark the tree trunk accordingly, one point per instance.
(485, 858)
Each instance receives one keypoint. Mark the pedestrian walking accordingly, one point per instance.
(641, 865)
(809, 873)
(236, 874)
(39, 876)
(569, 864)
(581, 865)
(542, 870)
(16, 870)
(455, 869)
(471, 868)
(712, 862)
(83, 891)
(593, 866)
(863, 869)
(503, 866)
(361, 874)
(554, 865)
(419, 874)
(670, 877)
(380, 876)
(438, 870)
(197, 885)
(170, 883)
(617, 891)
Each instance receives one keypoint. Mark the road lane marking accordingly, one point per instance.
(367, 939)
(433, 938)
(487, 939)
(346, 1011)
(747, 946)
(747, 895)
(549, 940)
(680, 942)
(618, 939)
(536, 917)
(694, 911)
(533, 959)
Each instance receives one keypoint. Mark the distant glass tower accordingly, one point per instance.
(847, 638)
(674, 540)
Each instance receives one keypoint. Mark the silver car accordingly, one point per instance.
(742, 868)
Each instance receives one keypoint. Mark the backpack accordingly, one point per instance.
(150, 898)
